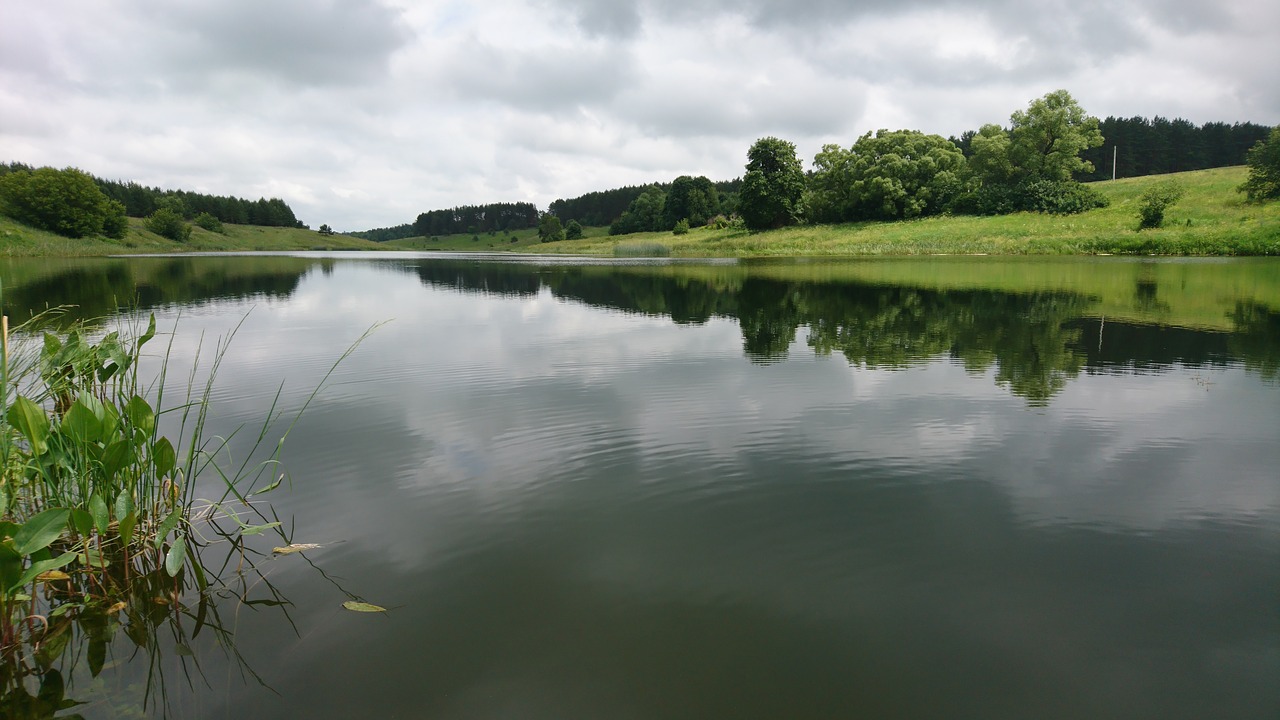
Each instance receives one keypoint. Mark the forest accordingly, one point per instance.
(141, 201)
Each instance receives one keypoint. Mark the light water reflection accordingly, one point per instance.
(939, 488)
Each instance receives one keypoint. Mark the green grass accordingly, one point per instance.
(1211, 219)
(18, 240)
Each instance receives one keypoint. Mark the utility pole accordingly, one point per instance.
(1115, 152)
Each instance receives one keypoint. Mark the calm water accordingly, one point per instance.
(927, 488)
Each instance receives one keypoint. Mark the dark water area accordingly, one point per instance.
(926, 488)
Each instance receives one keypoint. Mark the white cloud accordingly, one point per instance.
(363, 113)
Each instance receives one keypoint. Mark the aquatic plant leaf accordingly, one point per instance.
(51, 646)
(6, 499)
(117, 455)
(83, 421)
(10, 565)
(295, 547)
(363, 607)
(64, 609)
(117, 607)
(7, 529)
(166, 526)
(42, 566)
(98, 511)
(40, 531)
(258, 529)
(54, 575)
(177, 556)
(124, 503)
(164, 457)
(81, 520)
(141, 416)
(127, 524)
(31, 422)
(150, 333)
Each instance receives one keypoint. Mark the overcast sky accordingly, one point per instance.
(363, 113)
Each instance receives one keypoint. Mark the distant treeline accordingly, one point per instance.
(140, 201)
(597, 209)
(1159, 146)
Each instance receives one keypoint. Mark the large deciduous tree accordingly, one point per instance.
(646, 213)
(772, 193)
(1047, 138)
(888, 176)
(693, 199)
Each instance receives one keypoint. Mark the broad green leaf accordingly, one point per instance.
(127, 524)
(98, 510)
(10, 565)
(257, 529)
(7, 529)
(52, 644)
(141, 416)
(6, 499)
(83, 421)
(97, 654)
(82, 521)
(177, 556)
(167, 525)
(42, 566)
(40, 531)
(295, 547)
(124, 503)
(116, 456)
(164, 457)
(363, 607)
(31, 422)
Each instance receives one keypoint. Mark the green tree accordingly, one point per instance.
(645, 214)
(1264, 169)
(693, 199)
(67, 202)
(1156, 200)
(681, 228)
(989, 155)
(1046, 139)
(888, 176)
(166, 222)
(773, 187)
(573, 230)
(324, 229)
(549, 229)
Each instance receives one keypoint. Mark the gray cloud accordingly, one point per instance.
(363, 113)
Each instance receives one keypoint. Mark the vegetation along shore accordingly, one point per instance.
(997, 190)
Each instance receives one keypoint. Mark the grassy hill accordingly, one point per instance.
(19, 240)
(1211, 219)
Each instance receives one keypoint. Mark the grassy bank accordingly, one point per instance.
(1211, 219)
(17, 240)
(515, 241)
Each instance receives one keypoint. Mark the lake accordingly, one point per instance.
(918, 488)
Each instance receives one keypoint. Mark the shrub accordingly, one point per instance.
(1155, 200)
(213, 224)
(573, 230)
(681, 228)
(169, 224)
(1054, 197)
(67, 202)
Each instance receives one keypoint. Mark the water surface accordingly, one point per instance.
(949, 487)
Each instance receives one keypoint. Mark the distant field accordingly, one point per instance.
(20, 240)
(518, 240)
(1212, 219)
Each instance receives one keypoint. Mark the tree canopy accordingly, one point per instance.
(773, 186)
(888, 176)
(1264, 169)
(1047, 138)
(67, 202)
